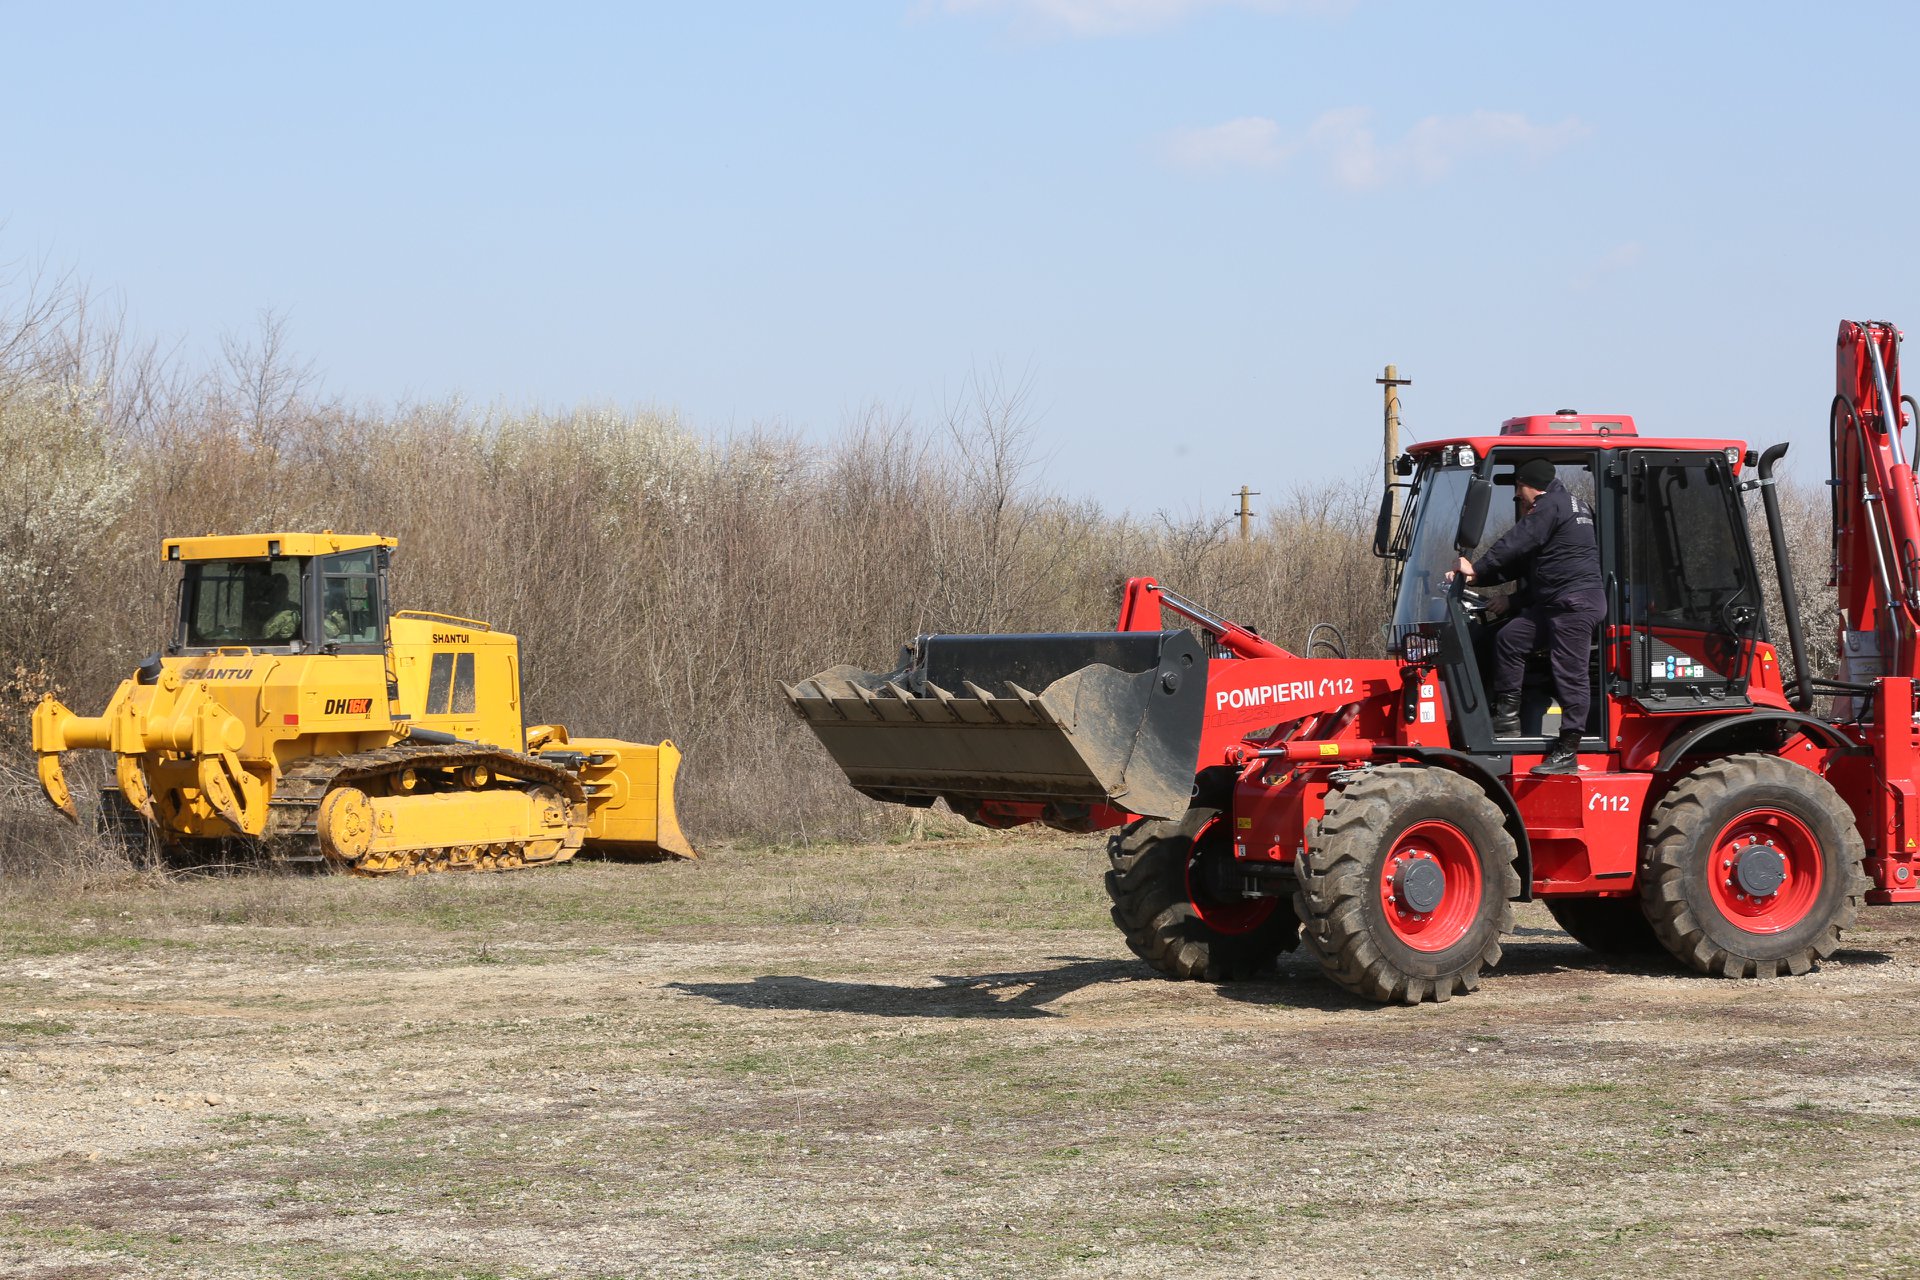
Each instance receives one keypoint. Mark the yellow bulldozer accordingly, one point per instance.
(293, 710)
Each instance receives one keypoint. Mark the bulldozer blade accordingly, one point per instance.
(667, 836)
(1116, 720)
(633, 809)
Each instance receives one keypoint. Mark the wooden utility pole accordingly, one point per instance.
(1392, 384)
(1246, 512)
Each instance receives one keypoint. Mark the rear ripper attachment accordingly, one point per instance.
(1114, 725)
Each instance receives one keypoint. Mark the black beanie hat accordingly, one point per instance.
(1535, 473)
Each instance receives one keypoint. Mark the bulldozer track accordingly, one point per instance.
(292, 834)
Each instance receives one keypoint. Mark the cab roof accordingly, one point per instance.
(1570, 429)
(242, 546)
(1569, 424)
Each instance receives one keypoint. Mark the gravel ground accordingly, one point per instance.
(904, 1061)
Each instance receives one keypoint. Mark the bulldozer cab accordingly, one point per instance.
(278, 593)
(1684, 610)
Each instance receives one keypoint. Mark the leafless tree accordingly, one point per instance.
(261, 380)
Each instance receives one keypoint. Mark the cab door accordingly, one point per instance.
(1690, 601)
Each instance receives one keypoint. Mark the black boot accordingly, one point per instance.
(1564, 758)
(1506, 714)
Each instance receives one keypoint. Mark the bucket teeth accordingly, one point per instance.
(893, 701)
(936, 706)
(1034, 703)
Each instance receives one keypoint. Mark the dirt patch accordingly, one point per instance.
(691, 1071)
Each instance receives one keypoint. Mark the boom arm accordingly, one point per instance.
(1876, 511)
(1140, 611)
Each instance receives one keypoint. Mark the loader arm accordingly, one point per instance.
(1082, 730)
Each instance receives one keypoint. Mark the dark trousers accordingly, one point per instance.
(1564, 628)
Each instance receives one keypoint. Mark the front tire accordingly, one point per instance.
(1167, 902)
(1753, 868)
(1407, 884)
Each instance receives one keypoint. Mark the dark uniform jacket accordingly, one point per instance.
(1553, 546)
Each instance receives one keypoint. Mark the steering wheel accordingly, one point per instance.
(1475, 601)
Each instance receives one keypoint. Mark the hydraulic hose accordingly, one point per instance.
(1783, 566)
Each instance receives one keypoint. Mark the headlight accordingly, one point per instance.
(1415, 646)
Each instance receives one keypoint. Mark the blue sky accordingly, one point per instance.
(1197, 228)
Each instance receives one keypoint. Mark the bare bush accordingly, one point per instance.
(662, 584)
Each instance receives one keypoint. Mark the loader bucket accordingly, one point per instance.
(1116, 720)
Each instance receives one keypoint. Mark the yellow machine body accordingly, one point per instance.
(294, 708)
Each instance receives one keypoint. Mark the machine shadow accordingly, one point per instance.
(1017, 994)
(1532, 952)
(1295, 983)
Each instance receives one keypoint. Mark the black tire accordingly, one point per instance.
(1344, 877)
(1156, 911)
(1688, 832)
(1608, 926)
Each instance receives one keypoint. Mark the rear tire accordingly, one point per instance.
(1406, 884)
(1159, 887)
(1753, 868)
(1608, 926)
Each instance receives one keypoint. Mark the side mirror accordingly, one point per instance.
(1383, 524)
(1473, 514)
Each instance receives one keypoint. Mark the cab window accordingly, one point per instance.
(1690, 568)
(242, 602)
(350, 611)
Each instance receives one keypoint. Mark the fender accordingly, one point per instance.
(1476, 769)
(1680, 745)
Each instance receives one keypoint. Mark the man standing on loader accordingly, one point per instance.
(1552, 545)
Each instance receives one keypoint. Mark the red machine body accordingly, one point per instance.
(1368, 806)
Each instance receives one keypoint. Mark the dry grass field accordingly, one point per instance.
(905, 1060)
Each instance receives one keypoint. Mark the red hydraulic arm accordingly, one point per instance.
(1140, 611)
(1876, 512)
(1876, 569)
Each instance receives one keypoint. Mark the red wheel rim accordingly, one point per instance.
(1242, 915)
(1407, 882)
(1779, 844)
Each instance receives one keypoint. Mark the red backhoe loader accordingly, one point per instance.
(1728, 810)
